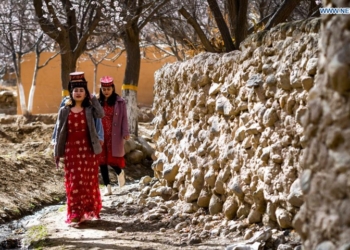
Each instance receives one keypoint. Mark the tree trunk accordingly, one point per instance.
(324, 219)
(32, 88)
(17, 59)
(282, 13)
(232, 14)
(131, 77)
(68, 65)
(224, 31)
(242, 25)
(22, 98)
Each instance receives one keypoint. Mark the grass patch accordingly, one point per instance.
(16, 211)
(62, 208)
(35, 237)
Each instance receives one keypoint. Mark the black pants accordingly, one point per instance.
(105, 175)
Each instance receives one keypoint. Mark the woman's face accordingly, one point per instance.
(107, 91)
(78, 94)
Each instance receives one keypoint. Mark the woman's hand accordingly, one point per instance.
(127, 137)
(101, 143)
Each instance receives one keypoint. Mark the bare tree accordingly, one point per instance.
(133, 17)
(98, 56)
(39, 48)
(20, 36)
(69, 23)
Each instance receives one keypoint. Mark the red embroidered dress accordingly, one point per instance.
(106, 157)
(81, 172)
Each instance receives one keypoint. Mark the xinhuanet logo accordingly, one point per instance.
(334, 11)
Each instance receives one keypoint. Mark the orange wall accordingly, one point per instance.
(48, 85)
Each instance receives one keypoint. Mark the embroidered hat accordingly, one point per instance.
(106, 81)
(77, 79)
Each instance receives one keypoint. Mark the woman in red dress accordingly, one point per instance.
(77, 141)
(115, 126)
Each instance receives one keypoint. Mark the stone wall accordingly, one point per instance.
(324, 219)
(227, 126)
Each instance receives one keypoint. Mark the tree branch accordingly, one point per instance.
(225, 33)
(282, 13)
(197, 28)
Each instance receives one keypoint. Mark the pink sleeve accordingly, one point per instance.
(125, 124)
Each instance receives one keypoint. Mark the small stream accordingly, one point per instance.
(12, 233)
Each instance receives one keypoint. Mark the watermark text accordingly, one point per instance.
(334, 11)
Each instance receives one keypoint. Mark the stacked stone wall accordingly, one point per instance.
(228, 126)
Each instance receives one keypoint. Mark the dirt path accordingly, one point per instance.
(122, 226)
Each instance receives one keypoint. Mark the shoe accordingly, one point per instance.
(108, 190)
(121, 179)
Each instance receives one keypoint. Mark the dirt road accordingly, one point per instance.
(122, 226)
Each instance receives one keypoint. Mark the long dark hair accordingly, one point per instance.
(86, 102)
(111, 100)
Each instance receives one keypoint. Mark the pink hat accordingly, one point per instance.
(106, 81)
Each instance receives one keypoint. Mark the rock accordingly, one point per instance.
(214, 88)
(170, 171)
(195, 239)
(215, 232)
(215, 205)
(295, 196)
(230, 208)
(155, 216)
(204, 198)
(326, 245)
(180, 226)
(307, 82)
(191, 194)
(244, 246)
(135, 156)
(145, 147)
(270, 117)
(284, 218)
(271, 80)
(261, 236)
(284, 247)
(210, 178)
(145, 180)
(248, 234)
(305, 180)
(254, 216)
(311, 66)
(129, 145)
(255, 81)
(283, 79)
